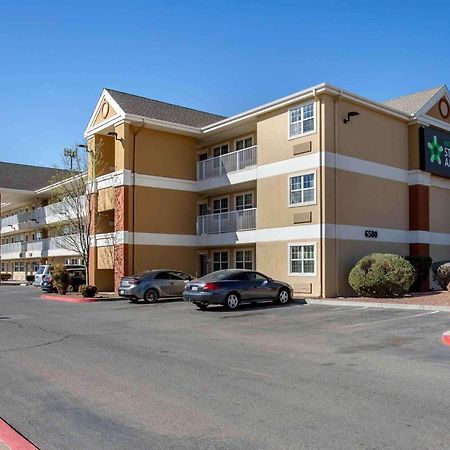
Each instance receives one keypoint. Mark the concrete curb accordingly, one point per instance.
(446, 338)
(68, 299)
(379, 305)
(12, 439)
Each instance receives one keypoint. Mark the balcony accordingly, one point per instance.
(225, 164)
(35, 249)
(38, 217)
(228, 222)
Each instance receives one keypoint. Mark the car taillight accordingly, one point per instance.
(135, 281)
(210, 287)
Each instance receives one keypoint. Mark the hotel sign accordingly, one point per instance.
(435, 151)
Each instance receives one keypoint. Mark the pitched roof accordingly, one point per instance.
(155, 109)
(24, 177)
(413, 102)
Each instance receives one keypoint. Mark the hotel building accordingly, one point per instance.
(299, 188)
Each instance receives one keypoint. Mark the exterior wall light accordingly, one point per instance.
(350, 115)
(113, 133)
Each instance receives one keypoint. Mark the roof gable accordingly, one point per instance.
(414, 103)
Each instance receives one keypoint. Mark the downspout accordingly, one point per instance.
(133, 217)
(336, 196)
(321, 214)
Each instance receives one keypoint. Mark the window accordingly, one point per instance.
(19, 266)
(203, 209)
(302, 189)
(302, 259)
(244, 201)
(244, 143)
(202, 156)
(3, 268)
(220, 261)
(244, 259)
(220, 150)
(301, 120)
(256, 276)
(240, 276)
(220, 205)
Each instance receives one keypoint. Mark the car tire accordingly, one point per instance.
(232, 301)
(283, 296)
(134, 300)
(202, 306)
(151, 296)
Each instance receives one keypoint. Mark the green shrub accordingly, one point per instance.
(61, 278)
(29, 278)
(441, 273)
(382, 275)
(87, 291)
(422, 266)
(4, 276)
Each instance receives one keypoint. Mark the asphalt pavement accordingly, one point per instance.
(116, 375)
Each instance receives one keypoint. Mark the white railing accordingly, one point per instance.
(221, 165)
(242, 220)
(57, 212)
(54, 246)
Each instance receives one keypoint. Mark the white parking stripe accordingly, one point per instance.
(386, 320)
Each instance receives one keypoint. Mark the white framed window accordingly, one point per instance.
(302, 189)
(220, 205)
(3, 268)
(222, 149)
(302, 120)
(220, 260)
(19, 266)
(302, 259)
(243, 259)
(243, 201)
(244, 142)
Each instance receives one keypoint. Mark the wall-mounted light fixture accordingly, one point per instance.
(350, 115)
(113, 133)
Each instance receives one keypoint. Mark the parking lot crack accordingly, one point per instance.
(43, 344)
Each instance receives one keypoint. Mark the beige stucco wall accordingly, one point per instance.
(105, 199)
(439, 210)
(165, 211)
(372, 136)
(272, 258)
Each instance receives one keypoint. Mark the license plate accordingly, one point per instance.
(194, 288)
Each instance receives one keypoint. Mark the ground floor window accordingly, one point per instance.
(220, 261)
(19, 266)
(244, 259)
(302, 259)
(4, 267)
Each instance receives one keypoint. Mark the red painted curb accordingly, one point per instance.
(13, 439)
(446, 338)
(66, 298)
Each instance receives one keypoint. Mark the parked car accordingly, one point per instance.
(77, 278)
(150, 285)
(232, 287)
(45, 269)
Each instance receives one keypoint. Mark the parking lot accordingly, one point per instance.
(119, 375)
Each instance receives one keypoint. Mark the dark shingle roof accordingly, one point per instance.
(155, 109)
(412, 103)
(24, 177)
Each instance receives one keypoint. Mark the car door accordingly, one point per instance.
(260, 286)
(179, 280)
(165, 284)
(239, 282)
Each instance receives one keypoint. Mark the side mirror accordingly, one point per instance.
(270, 280)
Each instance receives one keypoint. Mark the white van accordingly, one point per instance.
(45, 269)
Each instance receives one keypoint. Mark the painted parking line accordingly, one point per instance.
(13, 439)
(446, 338)
(387, 320)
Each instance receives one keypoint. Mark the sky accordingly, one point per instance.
(218, 56)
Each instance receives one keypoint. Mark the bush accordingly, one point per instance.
(61, 278)
(88, 291)
(422, 266)
(382, 275)
(29, 278)
(441, 273)
(4, 276)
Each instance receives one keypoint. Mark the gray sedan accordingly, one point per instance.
(153, 284)
(233, 286)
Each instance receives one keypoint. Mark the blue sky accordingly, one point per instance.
(218, 56)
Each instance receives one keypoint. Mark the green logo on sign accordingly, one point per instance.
(435, 151)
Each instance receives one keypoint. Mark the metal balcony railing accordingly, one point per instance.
(227, 222)
(221, 165)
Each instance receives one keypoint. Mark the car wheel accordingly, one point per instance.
(151, 296)
(232, 301)
(70, 289)
(283, 296)
(202, 306)
(133, 300)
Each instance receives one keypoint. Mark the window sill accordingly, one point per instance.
(309, 133)
(297, 205)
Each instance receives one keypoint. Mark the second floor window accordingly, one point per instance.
(244, 143)
(301, 120)
(244, 201)
(302, 189)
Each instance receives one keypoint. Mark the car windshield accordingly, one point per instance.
(40, 270)
(218, 275)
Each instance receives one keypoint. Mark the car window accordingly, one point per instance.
(238, 276)
(40, 270)
(216, 276)
(256, 276)
(182, 276)
(162, 276)
(174, 276)
(142, 274)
